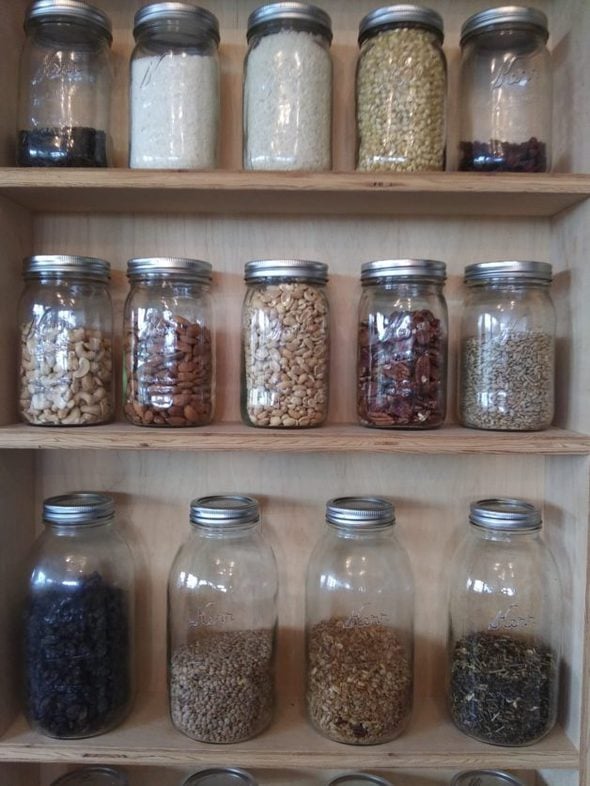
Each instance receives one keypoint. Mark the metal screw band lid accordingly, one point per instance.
(516, 15)
(482, 272)
(424, 269)
(48, 264)
(359, 778)
(286, 268)
(193, 269)
(508, 515)
(406, 14)
(294, 12)
(224, 510)
(68, 11)
(93, 776)
(80, 507)
(360, 512)
(183, 17)
(485, 778)
(220, 776)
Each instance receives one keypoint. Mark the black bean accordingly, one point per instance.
(65, 147)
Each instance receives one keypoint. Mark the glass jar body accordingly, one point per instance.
(78, 631)
(359, 637)
(504, 637)
(285, 353)
(288, 99)
(169, 377)
(401, 94)
(65, 94)
(402, 354)
(65, 357)
(506, 102)
(507, 357)
(221, 635)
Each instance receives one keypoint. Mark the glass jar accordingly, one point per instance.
(507, 347)
(65, 323)
(401, 90)
(168, 350)
(222, 619)
(485, 778)
(93, 776)
(359, 625)
(78, 620)
(402, 344)
(221, 776)
(65, 86)
(285, 344)
(505, 92)
(174, 88)
(288, 88)
(504, 626)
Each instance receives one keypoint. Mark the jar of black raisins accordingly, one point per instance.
(78, 620)
(402, 344)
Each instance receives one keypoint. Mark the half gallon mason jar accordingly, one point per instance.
(65, 86)
(222, 619)
(168, 349)
(359, 625)
(506, 91)
(174, 88)
(288, 88)
(401, 90)
(285, 344)
(504, 626)
(507, 347)
(65, 323)
(78, 620)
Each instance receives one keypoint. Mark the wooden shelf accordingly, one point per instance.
(164, 191)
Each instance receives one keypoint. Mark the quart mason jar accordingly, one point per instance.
(288, 88)
(359, 625)
(93, 776)
(285, 344)
(507, 347)
(222, 619)
(505, 91)
(78, 620)
(401, 90)
(174, 88)
(65, 325)
(221, 776)
(402, 344)
(485, 778)
(65, 86)
(359, 779)
(168, 349)
(504, 626)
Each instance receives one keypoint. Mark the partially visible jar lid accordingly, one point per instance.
(358, 779)
(423, 269)
(485, 778)
(56, 264)
(513, 15)
(315, 17)
(78, 508)
(360, 513)
(220, 776)
(93, 776)
(68, 11)
(178, 17)
(286, 268)
(392, 15)
(193, 269)
(482, 272)
(508, 515)
(224, 510)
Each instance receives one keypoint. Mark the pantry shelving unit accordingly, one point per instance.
(342, 218)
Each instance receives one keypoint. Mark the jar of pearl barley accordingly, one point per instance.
(285, 344)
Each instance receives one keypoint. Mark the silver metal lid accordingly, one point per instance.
(482, 272)
(286, 268)
(360, 512)
(400, 15)
(93, 776)
(220, 776)
(357, 778)
(184, 17)
(516, 15)
(508, 515)
(193, 269)
(78, 508)
(224, 510)
(47, 264)
(424, 269)
(485, 778)
(315, 17)
(68, 11)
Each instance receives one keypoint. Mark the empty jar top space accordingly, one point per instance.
(176, 17)
(80, 507)
(192, 269)
(73, 11)
(286, 268)
(393, 15)
(360, 512)
(513, 16)
(220, 776)
(485, 778)
(50, 264)
(508, 515)
(483, 272)
(424, 269)
(302, 13)
(231, 510)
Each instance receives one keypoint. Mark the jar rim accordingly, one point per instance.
(360, 513)
(506, 269)
(68, 11)
(224, 510)
(359, 777)
(419, 269)
(182, 17)
(505, 515)
(117, 778)
(234, 775)
(392, 15)
(286, 268)
(266, 14)
(194, 269)
(79, 507)
(468, 778)
(43, 264)
(519, 16)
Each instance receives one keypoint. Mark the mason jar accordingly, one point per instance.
(285, 344)
(93, 776)
(401, 90)
(288, 88)
(505, 92)
(65, 86)
(402, 344)
(359, 625)
(485, 778)
(168, 343)
(507, 347)
(174, 88)
(359, 779)
(221, 776)
(222, 617)
(65, 325)
(78, 620)
(505, 612)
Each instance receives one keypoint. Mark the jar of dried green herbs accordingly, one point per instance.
(504, 627)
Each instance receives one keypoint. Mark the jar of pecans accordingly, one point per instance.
(402, 344)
